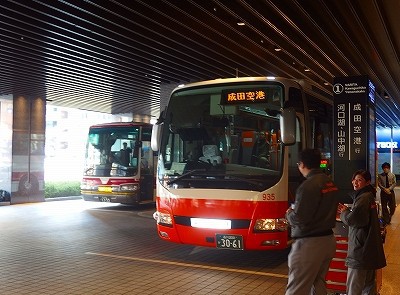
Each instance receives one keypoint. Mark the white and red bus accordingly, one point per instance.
(228, 150)
(119, 164)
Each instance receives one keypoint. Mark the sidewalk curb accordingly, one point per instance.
(63, 198)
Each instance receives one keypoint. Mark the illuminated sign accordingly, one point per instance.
(350, 125)
(353, 116)
(386, 145)
(387, 140)
(354, 135)
(323, 164)
(244, 96)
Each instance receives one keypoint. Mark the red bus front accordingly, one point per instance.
(229, 219)
(227, 167)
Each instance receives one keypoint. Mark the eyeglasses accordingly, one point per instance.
(359, 179)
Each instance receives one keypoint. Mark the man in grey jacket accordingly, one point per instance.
(312, 220)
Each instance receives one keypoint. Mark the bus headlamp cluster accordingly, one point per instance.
(129, 187)
(278, 224)
(163, 218)
(87, 185)
(132, 187)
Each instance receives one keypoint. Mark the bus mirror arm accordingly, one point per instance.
(155, 136)
(288, 126)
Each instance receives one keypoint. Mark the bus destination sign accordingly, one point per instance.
(238, 96)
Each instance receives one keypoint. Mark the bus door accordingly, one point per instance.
(146, 172)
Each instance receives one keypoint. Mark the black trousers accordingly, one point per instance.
(388, 206)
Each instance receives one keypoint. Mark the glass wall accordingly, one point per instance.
(6, 117)
(388, 145)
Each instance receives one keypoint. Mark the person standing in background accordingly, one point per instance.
(365, 252)
(387, 183)
(125, 154)
(312, 219)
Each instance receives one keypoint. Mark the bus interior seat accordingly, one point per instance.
(210, 155)
(249, 138)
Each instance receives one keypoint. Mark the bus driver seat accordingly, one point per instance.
(210, 155)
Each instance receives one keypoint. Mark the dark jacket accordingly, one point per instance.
(315, 208)
(365, 243)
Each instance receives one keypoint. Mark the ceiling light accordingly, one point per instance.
(307, 69)
(326, 83)
(240, 23)
(276, 48)
(385, 95)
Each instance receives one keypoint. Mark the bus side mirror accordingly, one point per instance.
(155, 137)
(288, 126)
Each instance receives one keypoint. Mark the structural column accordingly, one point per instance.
(28, 141)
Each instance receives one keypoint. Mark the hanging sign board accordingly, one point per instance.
(354, 125)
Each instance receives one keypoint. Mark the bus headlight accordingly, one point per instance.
(129, 187)
(163, 218)
(278, 224)
(87, 185)
(84, 185)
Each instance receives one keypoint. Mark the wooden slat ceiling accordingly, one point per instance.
(113, 56)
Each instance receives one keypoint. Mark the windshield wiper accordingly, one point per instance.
(256, 183)
(185, 175)
(88, 169)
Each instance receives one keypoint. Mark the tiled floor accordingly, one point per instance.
(70, 247)
(391, 273)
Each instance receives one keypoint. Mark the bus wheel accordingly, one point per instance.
(26, 187)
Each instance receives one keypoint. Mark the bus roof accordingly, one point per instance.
(121, 124)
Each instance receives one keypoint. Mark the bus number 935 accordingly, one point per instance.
(268, 197)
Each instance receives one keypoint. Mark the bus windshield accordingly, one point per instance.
(223, 137)
(112, 151)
